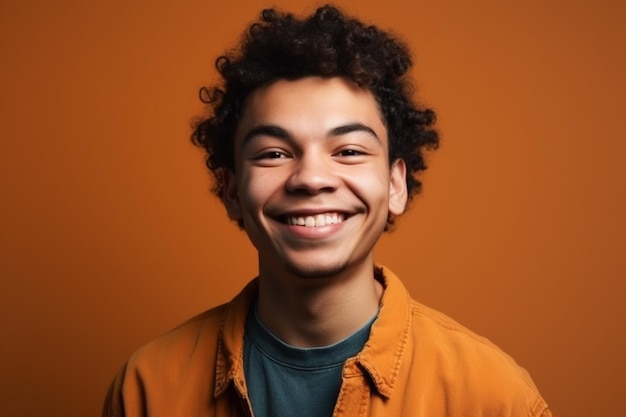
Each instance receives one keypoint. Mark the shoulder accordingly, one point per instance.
(470, 365)
(180, 369)
(171, 364)
(435, 330)
(196, 336)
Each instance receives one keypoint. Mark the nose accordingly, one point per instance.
(312, 174)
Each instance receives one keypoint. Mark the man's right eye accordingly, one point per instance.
(271, 155)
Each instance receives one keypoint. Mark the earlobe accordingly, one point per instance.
(230, 194)
(398, 194)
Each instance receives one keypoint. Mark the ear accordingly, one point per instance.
(230, 194)
(398, 194)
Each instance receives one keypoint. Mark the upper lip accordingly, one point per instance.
(309, 211)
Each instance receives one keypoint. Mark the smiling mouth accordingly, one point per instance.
(317, 220)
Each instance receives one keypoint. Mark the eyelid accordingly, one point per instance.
(353, 147)
(258, 147)
(353, 151)
(266, 153)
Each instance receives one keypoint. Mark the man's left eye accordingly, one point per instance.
(349, 152)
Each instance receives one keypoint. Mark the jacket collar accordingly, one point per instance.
(380, 357)
(229, 361)
(382, 354)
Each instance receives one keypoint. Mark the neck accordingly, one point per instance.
(313, 312)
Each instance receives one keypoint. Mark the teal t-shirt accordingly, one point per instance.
(284, 380)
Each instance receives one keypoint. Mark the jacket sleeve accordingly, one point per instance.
(114, 400)
(546, 413)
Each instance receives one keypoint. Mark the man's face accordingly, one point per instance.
(312, 183)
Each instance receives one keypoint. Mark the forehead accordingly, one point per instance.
(310, 106)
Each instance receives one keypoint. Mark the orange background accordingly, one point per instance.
(109, 236)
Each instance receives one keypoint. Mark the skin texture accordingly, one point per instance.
(304, 148)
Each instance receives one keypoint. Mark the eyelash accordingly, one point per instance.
(350, 152)
(271, 155)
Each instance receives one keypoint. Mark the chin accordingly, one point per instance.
(316, 271)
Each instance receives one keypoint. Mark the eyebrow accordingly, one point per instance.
(266, 130)
(280, 133)
(353, 127)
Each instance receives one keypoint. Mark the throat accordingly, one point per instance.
(315, 317)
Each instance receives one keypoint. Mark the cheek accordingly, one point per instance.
(371, 189)
(249, 193)
(257, 186)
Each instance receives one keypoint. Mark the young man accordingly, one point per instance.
(315, 146)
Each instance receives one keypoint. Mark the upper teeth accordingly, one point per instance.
(315, 221)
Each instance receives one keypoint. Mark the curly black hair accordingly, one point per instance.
(328, 43)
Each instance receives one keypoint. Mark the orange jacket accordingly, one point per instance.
(417, 362)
